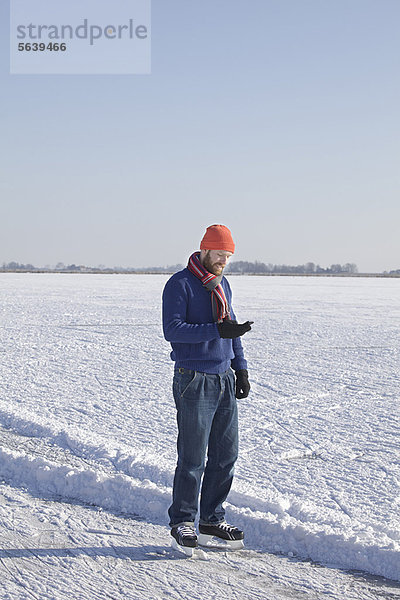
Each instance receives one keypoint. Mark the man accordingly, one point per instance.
(200, 324)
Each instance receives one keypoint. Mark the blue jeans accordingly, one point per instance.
(207, 419)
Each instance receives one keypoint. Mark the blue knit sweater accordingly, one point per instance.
(189, 326)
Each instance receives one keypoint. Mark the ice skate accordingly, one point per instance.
(184, 539)
(221, 536)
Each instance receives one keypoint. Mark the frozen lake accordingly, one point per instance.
(86, 409)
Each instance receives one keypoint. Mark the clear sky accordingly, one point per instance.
(278, 118)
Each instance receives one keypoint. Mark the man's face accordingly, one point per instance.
(215, 261)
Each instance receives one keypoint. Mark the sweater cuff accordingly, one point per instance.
(239, 363)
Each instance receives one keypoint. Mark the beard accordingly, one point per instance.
(215, 268)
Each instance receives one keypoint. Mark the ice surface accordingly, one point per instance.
(87, 417)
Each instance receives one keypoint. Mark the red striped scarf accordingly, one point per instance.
(212, 283)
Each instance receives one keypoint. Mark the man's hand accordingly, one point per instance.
(233, 329)
(242, 384)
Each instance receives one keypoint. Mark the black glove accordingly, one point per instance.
(233, 329)
(242, 384)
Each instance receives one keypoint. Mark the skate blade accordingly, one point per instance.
(209, 541)
(189, 552)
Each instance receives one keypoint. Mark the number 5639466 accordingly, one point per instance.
(41, 47)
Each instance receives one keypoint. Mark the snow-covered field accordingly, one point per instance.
(87, 442)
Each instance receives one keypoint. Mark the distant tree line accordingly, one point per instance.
(73, 268)
(309, 268)
(14, 266)
(235, 267)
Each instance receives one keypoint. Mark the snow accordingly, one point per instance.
(87, 441)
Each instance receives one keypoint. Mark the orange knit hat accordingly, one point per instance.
(217, 237)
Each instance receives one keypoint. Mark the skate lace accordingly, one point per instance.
(227, 527)
(186, 531)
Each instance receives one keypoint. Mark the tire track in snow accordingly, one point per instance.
(94, 452)
(280, 525)
(146, 571)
